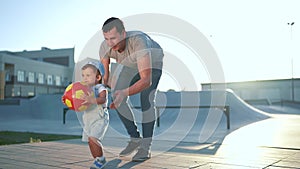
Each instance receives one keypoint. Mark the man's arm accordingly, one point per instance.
(106, 62)
(145, 72)
(144, 67)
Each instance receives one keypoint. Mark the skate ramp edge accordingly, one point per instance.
(209, 124)
(241, 113)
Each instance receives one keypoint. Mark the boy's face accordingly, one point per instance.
(89, 76)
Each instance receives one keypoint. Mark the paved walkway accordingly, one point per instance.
(75, 155)
(272, 144)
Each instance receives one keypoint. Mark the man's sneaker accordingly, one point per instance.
(98, 163)
(133, 144)
(141, 155)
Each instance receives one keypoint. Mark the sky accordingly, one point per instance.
(252, 38)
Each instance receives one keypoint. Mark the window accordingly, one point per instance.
(31, 77)
(7, 77)
(49, 79)
(57, 81)
(21, 76)
(41, 78)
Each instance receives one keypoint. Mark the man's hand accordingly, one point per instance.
(118, 96)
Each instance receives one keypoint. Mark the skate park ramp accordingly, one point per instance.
(200, 125)
(204, 127)
(188, 124)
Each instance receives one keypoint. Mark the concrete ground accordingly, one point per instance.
(75, 155)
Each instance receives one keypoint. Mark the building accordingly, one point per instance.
(263, 91)
(28, 73)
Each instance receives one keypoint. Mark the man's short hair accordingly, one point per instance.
(112, 22)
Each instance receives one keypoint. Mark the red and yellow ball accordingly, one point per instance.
(73, 96)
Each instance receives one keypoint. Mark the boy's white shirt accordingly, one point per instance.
(97, 90)
(91, 117)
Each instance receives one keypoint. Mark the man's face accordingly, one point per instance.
(113, 37)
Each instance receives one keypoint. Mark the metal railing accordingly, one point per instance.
(225, 109)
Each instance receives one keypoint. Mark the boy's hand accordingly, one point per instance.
(89, 98)
(63, 99)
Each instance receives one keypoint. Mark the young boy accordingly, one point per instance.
(96, 118)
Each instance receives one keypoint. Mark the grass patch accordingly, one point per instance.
(12, 137)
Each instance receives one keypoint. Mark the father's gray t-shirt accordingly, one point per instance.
(138, 44)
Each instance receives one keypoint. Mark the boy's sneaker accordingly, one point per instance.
(141, 155)
(98, 163)
(133, 144)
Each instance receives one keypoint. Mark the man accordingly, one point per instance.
(141, 60)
